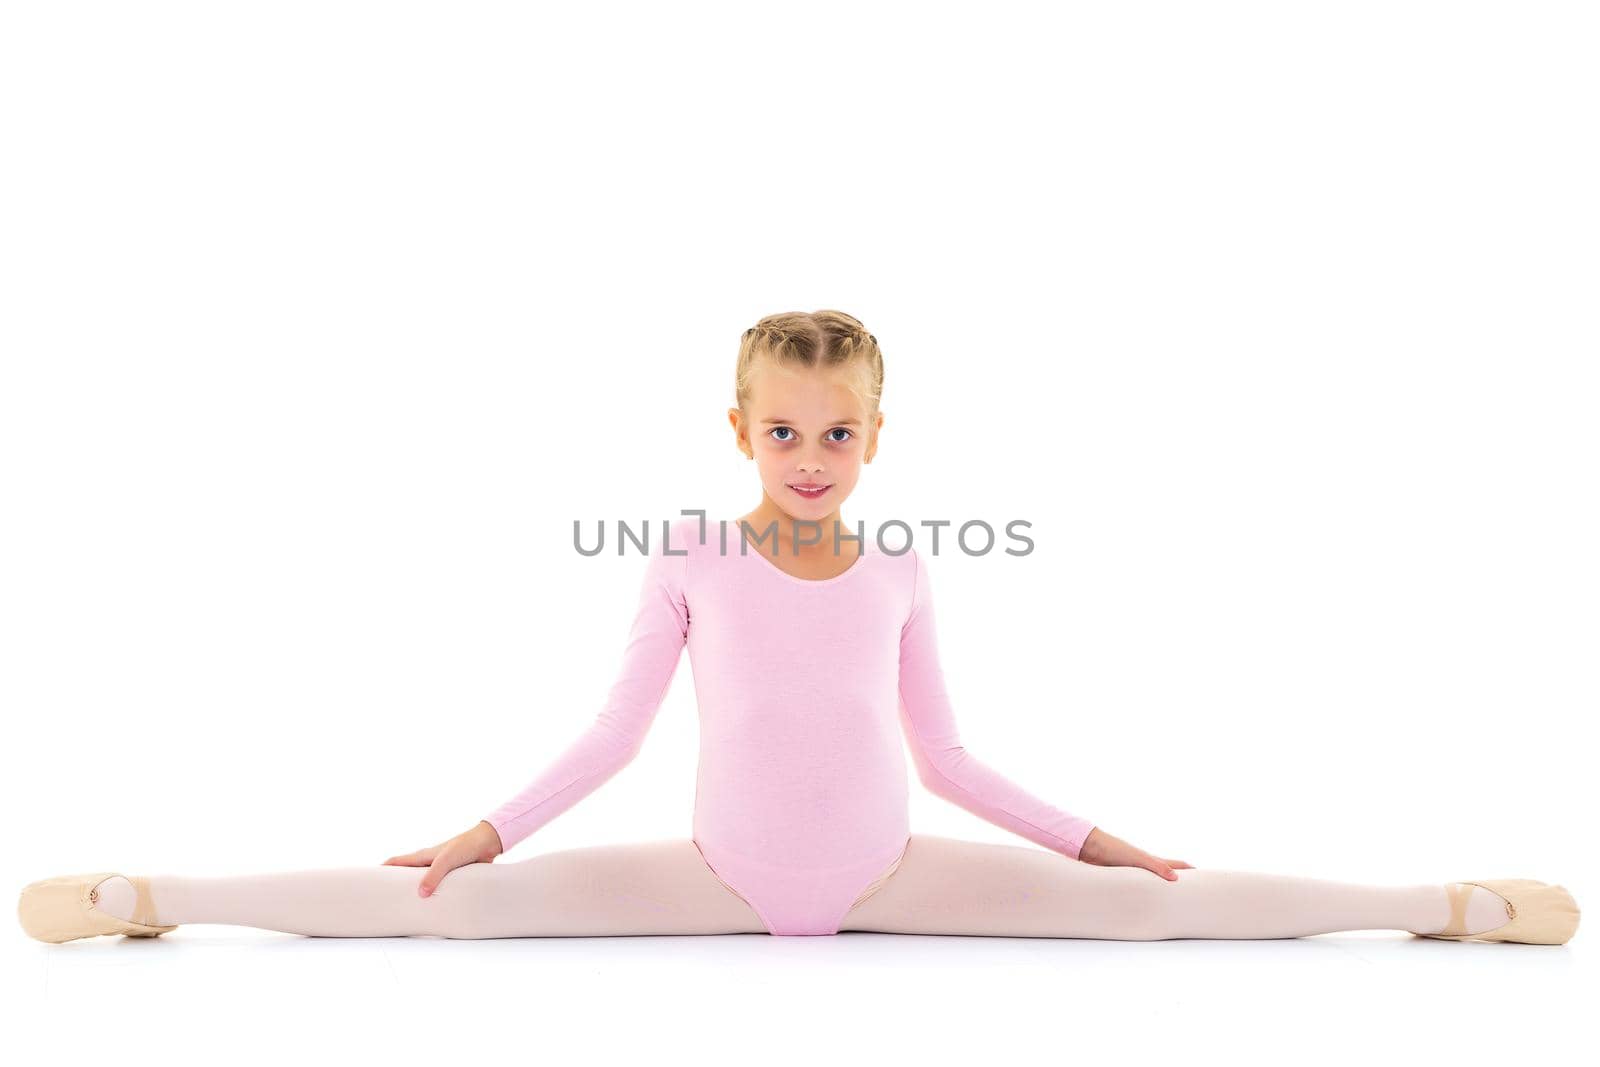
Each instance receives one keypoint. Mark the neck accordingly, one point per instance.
(768, 513)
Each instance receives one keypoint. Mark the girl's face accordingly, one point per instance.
(805, 427)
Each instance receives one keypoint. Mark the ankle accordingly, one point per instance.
(1462, 908)
(114, 896)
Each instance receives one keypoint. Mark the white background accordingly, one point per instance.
(321, 323)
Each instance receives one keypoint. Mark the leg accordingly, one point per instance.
(948, 886)
(657, 887)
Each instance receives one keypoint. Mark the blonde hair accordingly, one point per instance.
(811, 339)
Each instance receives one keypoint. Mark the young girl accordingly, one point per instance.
(814, 651)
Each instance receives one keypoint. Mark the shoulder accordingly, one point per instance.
(907, 559)
(902, 570)
(668, 545)
(682, 535)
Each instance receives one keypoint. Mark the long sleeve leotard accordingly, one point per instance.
(801, 794)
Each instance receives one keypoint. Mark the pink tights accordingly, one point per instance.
(942, 886)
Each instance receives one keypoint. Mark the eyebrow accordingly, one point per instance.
(835, 422)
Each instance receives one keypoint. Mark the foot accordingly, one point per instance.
(114, 896)
(1486, 911)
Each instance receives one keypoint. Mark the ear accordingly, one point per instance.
(740, 438)
(872, 449)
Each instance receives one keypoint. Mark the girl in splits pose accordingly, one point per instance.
(813, 651)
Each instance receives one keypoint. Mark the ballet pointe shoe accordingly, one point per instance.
(1541, 914)
(62, 909)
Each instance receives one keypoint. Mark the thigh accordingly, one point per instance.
(652, 887)
(948, 886)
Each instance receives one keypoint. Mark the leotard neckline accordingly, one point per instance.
(748, 549)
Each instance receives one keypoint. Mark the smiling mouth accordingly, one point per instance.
(809, 490)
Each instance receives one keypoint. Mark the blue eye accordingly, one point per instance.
(836, 440)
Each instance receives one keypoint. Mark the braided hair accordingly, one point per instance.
(823, 338)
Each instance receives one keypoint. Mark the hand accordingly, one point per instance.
(1104, 850)
(481, 844)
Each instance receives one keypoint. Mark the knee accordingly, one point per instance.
(462, 904)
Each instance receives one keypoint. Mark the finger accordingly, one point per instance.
(431, 880)
(420, 858)
(1163, 870)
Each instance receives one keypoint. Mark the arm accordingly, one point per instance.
(655, 645)
(943, 765)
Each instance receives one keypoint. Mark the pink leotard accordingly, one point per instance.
(804, 688)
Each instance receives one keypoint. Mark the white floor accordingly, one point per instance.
(203, 993)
